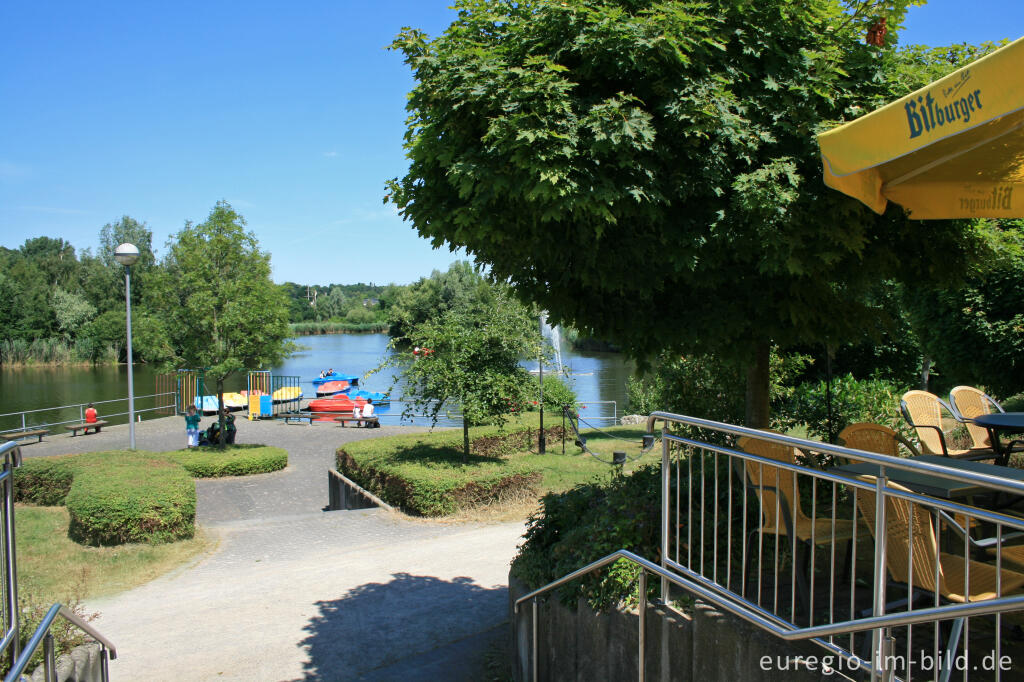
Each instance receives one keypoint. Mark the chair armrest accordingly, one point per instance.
(942, 435)
(983, 543)
(992, 402)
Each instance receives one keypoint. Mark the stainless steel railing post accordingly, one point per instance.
(11, 561)
(641, 671)
(535, 677)
(665, 489)
(49, 659)
(878, 606)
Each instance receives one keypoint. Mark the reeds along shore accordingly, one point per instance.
(56, 351)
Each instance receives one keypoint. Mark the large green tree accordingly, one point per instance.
(218, 304)
(648, 171)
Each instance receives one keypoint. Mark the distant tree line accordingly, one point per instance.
(209, 302)
(60, 306)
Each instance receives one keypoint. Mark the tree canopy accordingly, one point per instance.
(219, 307)
(648, 171)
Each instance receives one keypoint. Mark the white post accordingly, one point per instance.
(128, 255)
(131, 382)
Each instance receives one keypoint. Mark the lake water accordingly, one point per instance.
(599, 380)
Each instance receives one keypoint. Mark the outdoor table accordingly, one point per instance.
(936, 486)
(1006, 422)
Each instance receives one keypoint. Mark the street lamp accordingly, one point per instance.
(128, 255)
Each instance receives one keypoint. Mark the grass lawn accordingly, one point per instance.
(432, 466)
(562, 472)
(52, 567)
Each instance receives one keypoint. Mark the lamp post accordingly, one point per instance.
(128, 255)
(541, 445)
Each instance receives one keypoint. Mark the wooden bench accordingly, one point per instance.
(85, 426)
(370, 422)
(26, 434)
(290, 417)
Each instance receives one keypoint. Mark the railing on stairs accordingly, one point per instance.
(726, 523)
(44, 637)
(9, 642)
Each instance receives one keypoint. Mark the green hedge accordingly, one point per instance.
(118, 497)
(234, 460)
(44, 481)
(130, 497)
(427, 476)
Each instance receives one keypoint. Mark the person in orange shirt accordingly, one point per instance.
(90, 414)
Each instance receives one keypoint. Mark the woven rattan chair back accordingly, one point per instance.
(926, 410)
(970, 403)
(775, 485)
(910, 538)
(871, 438)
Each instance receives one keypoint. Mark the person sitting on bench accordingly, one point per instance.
(368, 408)
(91, 417)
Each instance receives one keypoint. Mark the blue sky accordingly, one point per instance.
(293, 112)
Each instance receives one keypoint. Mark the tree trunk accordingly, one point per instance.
(465, 439)
(758, 380)
(220, 412)
(926, 369)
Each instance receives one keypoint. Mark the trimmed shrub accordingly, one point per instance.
(234, 460)
(45, 482)
(430, 477)
(128, 497)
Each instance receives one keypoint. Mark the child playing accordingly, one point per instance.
(192, 426)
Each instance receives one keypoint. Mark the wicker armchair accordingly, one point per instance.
(876, 438)
(923, 411)
(913, 557)
(967, 403)
(781, 512)
(905, 520)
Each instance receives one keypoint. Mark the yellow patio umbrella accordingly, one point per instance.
(953, 149)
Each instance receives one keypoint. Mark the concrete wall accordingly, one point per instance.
(344, 493)
(83, 664)
(709, 646)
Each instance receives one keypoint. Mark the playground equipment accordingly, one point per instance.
(189, 386)
(270, 395)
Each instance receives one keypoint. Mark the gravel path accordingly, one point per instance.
(296, 593)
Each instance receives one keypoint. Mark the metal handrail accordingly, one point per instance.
(25, 427)
(94, 402)
(615, 408)
(946, 612)
(43, 632)
(885, 461)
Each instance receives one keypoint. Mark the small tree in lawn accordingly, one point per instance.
(222, 311)
(470, 356)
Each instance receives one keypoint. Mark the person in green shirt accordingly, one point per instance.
(192, 426)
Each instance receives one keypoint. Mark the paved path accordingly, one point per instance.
(295, 593)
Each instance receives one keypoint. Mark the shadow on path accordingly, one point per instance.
(411, 628)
